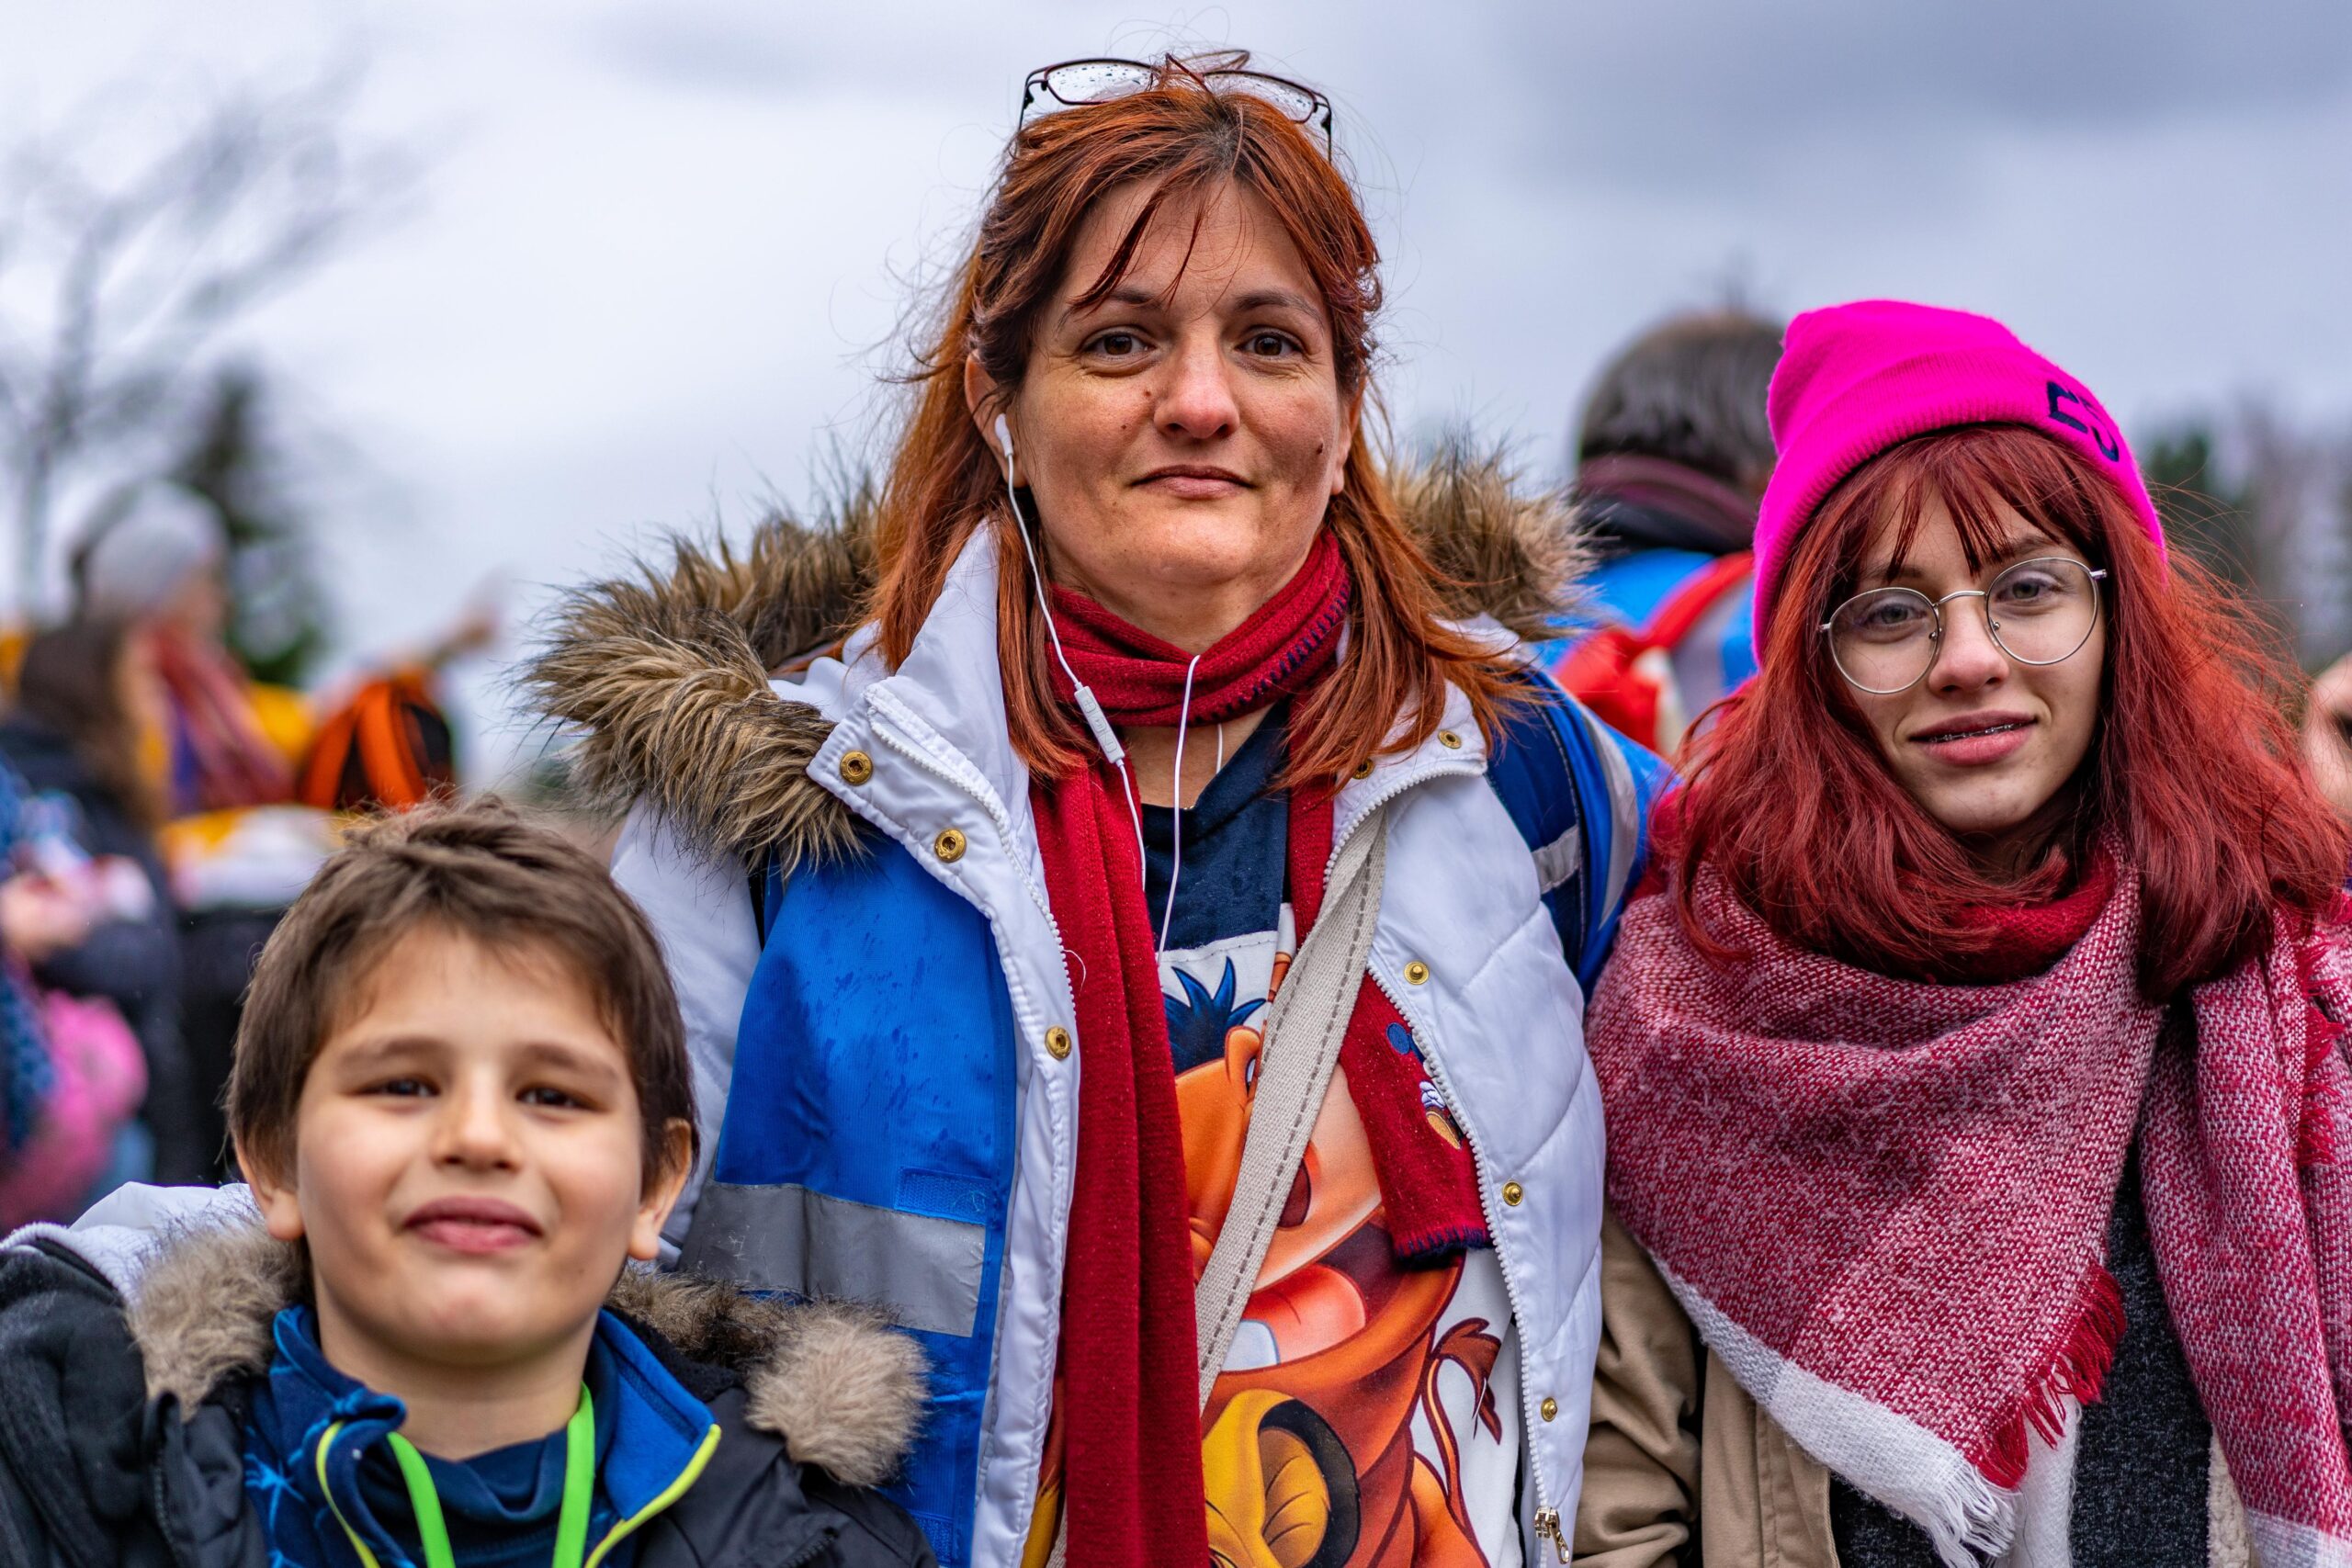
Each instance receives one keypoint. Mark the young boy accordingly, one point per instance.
(462, 1102)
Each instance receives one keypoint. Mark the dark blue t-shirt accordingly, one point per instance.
(1229, 903)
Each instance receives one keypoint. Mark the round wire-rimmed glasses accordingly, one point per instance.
(1884, 640)
(1077, 81)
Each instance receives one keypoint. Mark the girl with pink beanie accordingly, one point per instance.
(1980, 1125)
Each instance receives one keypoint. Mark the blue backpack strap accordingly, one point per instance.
(1580, 796)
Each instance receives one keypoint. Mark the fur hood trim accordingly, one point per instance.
(663, 674)
(845, 1391)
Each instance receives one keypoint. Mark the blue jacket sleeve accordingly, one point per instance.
(1626, 812)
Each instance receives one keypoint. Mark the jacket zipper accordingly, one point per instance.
(1548, 1527)
(171, 1538)
(1547, 1518)
(1404, 778)
(809, 1553)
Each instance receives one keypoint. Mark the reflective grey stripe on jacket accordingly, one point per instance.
(786, 1237)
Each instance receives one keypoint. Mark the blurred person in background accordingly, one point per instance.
(1673, 453)
(156, 562)
(159, 562)
(38, 919)
(87, 717)
(1980, 1126)
(250, 786)
(71, 1075)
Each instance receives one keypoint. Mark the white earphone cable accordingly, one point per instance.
(1106, 736)
(1176, 796)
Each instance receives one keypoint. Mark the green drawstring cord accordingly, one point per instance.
(571, 1522)
(432, 1531)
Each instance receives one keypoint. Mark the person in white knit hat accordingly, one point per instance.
(162, 556)
(160, 561)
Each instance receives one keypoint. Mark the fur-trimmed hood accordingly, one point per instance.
(844, 1392)
(663, 674)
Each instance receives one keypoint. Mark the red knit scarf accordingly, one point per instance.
(1140, 680)
(1131, 1484)
(1131, 1480)
(1884, 1201)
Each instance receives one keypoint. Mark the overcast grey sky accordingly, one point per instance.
(660, 249)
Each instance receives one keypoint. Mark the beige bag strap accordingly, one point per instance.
(1304, 1029)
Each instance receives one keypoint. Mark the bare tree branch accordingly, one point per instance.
(114, 291)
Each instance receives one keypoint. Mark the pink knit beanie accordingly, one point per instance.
(1856, 379)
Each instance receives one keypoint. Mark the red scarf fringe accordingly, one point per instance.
(2077, 1371)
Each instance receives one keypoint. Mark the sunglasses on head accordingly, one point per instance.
(1074, 83)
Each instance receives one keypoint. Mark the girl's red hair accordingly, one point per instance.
(1184, 142)
(2193, 770)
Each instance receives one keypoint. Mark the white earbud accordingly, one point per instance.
(1004, 439)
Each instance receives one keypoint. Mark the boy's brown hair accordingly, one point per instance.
(481, 872)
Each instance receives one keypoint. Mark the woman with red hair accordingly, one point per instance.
(1137, 939)
(1976, 1092)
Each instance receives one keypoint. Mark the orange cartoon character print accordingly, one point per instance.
(1360, 1396)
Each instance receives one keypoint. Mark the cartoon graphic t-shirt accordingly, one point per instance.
(1368, 1412)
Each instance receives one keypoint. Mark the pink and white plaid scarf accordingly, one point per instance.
(1883, 1203)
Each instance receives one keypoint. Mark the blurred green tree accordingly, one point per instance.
(2209, 515)
(280, 618)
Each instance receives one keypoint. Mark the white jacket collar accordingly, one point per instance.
(949, 680)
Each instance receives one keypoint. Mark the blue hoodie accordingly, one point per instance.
(652, 1440)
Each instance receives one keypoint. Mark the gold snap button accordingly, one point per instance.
(1363, 770)
(856, 767)
(1057, 1043)
(1513, 1192)
(1416, 972)
(949, 845)
(1549, 1410)
(1450, 740)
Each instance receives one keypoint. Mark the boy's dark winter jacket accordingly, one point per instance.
(121, 1428)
